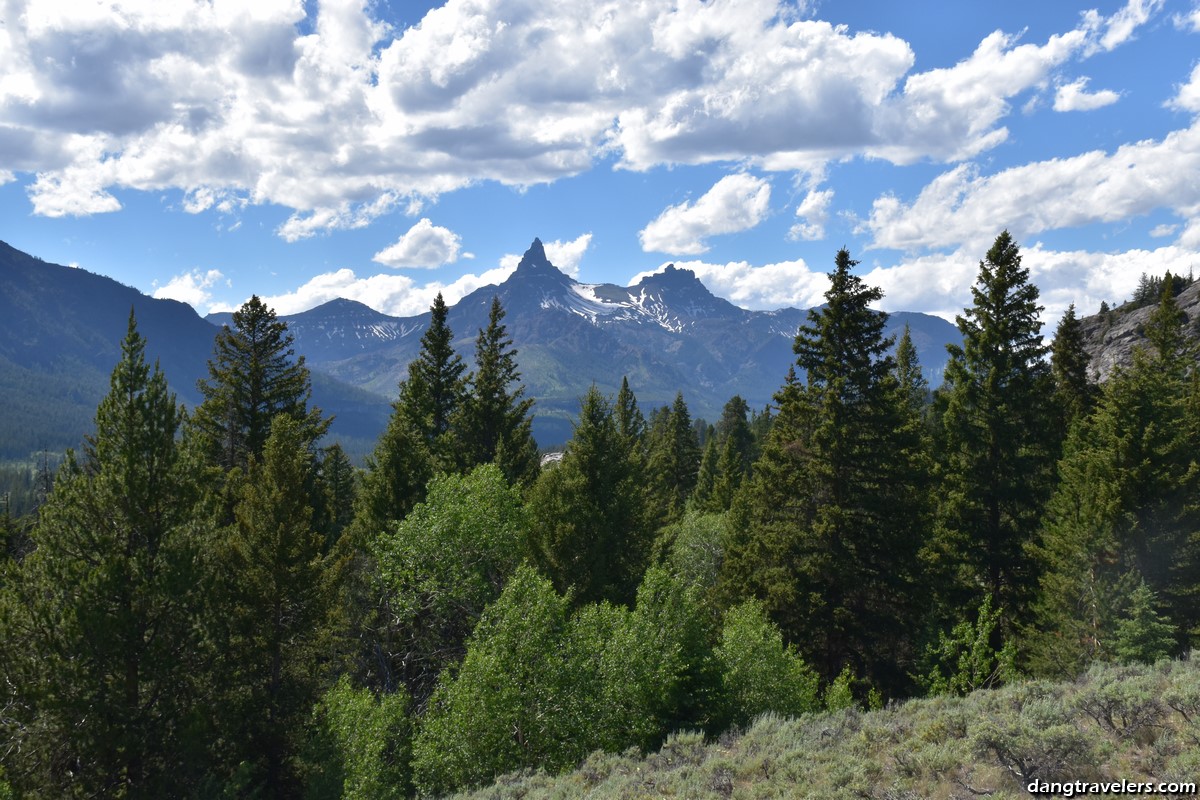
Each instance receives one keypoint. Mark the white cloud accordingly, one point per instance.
(1187, 98)
(734, 203)
(1189, 21)
(341, 118)
(397, 295)
(193, 288)
(940, 283)
(1162, 231)
(424, 245)
(1120, 27)
(813, 213)
(961, 206)
(1075, 97)
(769, 286)
(566, 255)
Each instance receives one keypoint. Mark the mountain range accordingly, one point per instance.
(61, 327)
(667, 333)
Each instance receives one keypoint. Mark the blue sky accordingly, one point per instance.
(385, 151)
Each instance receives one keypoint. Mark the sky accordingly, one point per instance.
(303, 150)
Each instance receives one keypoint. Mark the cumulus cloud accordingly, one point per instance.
(1075, 97)
(193, 288)
(734, 203)
(423, 245)
(341, 118)
(397, 295)
(1187, 97)
(940, 283)
(961, 205)
(767, 286)
(812, 213)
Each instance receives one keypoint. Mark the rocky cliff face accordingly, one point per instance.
(1110, 337)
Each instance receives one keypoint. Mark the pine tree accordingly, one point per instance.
(673, 457)
(494, 423)
(1122, 511)
(103, 640)
(336, 489)
(433, 391)
(706, 479)
(827, 531)
(589, 516)
(279, 592)
(251, 380)
(1144, 636)
(1074, 393)
(631, 425)
(997, 449)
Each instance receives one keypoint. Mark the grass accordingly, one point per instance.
(1134, 723)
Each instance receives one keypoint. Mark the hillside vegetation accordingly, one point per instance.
(1135, 724)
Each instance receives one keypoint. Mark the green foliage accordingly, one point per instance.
(504, 708)
(997, 444)
(840, 693)
(432, 394)
(494, 422)
(396, 475)
(278, 597)
(361, 746)
(1122, 510)
(673, 460)
(968, 659)
(1074, 393)
(758, 672)
(727, 459)
(442, 565)
(101, 622)
(251, 380)
(589, 517)
(691, 549)
(1143, 636)
(827, 531)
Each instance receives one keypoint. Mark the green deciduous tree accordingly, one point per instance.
(360, 746)
(252, 379)
(102, 625)
(758, 672)
(442, 565)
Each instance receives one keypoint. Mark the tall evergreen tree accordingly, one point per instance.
(997, 448)
(631, 425)
(251, 379)
(432, 393)
(1123, 510)
(673, 457)
(103, 640)
(828, 529)
(1074, 393)
(588, 514)
(279, 591)
(494, 421)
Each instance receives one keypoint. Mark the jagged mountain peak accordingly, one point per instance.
(535, 262)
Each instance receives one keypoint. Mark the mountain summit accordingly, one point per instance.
(667, 333)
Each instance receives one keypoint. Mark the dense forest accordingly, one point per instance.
(219, 604)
